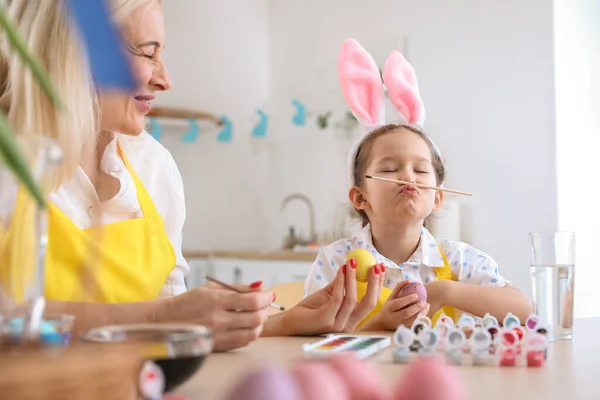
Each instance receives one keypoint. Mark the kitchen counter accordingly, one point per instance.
(276, 255)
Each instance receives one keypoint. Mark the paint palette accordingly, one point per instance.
(359, 346)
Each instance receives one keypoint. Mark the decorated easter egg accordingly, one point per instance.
(414, 288)
(319, 380)
(364, 261)
(429, 378)
(267, 384)
(360, 377)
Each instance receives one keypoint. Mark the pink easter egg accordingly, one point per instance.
(319, 380)
(429, 378)
(414, 288)
(361, 378)
(266, 384)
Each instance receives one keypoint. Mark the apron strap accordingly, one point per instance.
(146, 203)
(444, 273)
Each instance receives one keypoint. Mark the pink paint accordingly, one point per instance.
(535, 358)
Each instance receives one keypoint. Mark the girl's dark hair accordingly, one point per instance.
(364, 153)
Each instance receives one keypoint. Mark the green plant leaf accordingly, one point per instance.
(16, 161)
(19, 45)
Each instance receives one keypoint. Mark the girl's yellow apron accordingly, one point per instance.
(445, 273)
(125, 261)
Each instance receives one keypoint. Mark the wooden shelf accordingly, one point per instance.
(180, 113)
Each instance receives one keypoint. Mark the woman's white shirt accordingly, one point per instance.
(157, 170)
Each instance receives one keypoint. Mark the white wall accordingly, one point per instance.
(485, 71)
(218, 57)
(486, 75)
(577, 44)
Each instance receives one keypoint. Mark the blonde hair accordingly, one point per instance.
(52, 38)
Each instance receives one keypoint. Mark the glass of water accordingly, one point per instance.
(552, 276)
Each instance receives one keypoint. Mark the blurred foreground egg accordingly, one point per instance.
(266, 384)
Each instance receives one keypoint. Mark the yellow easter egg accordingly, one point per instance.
(383, 296)
(364, 261)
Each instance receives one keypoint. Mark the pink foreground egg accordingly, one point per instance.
(361, 378)
(266, 384)
(429, 378)
(414, 288)
(318, 380)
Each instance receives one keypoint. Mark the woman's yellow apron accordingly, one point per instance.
(125, 261)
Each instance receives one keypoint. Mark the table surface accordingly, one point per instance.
(572, 370)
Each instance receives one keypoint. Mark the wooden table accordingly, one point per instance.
(572, 370)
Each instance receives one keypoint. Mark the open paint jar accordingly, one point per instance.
(54, 330)
(178, 349)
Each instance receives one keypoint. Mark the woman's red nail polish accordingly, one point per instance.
(382, 268)
(353, 263)
(377, 272)
(256, 284)
(344, 269)
(274, 297)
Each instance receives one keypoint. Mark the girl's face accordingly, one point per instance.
(144, 33)
(403, 155)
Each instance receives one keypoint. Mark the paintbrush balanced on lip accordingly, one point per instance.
(417, 185)
(208, 278)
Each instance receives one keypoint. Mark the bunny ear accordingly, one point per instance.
(361, 84)
(401, 82)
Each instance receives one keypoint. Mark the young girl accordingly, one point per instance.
(456, 275)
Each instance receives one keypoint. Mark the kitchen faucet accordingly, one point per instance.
(292, 240)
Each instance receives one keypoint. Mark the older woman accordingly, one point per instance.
(118, 204)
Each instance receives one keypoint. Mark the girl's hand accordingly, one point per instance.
(334, 308)
(396, 310)
(436, 295)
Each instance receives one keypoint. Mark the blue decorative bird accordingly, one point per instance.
(193, 133)
(226, 133)
(300, 117)
(260, 130)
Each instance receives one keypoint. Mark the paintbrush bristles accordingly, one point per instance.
(418, 185)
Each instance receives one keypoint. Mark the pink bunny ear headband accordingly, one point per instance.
(363, 90)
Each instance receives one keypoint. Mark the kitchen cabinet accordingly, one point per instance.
(232, 270)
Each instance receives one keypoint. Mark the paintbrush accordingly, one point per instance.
(418, 185)
(281, 308)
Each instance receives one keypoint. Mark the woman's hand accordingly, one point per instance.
(236, 319)
(334, 308)
(396, 311)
